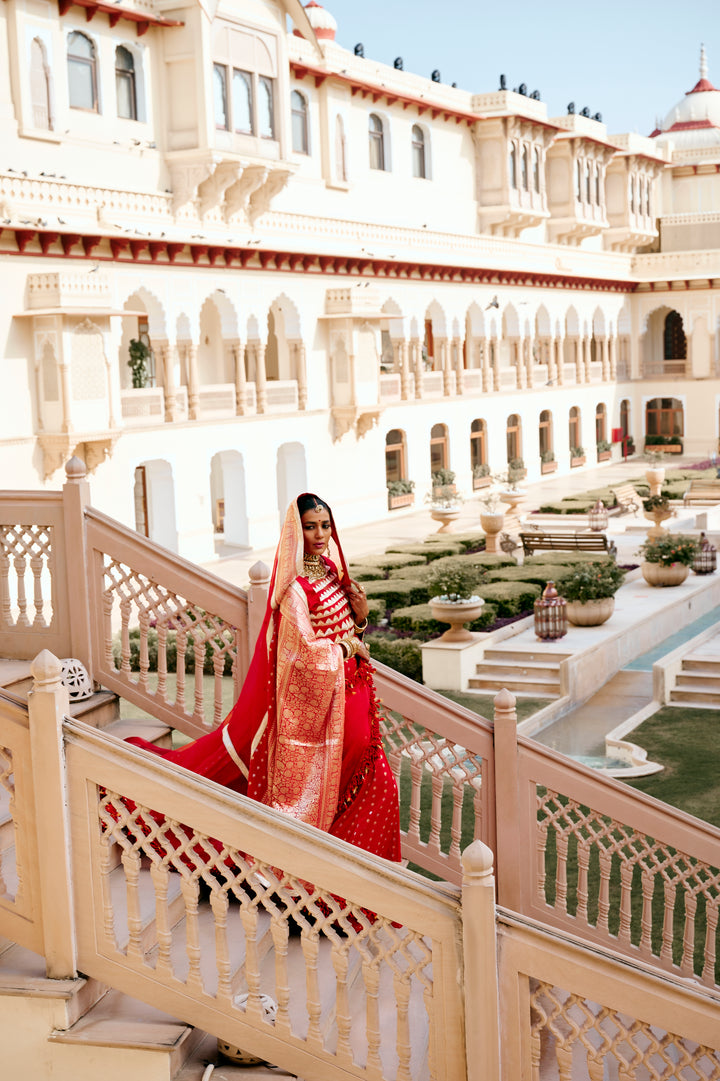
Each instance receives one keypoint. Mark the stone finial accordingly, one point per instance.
(46, 669)
(75, 469)
(504, 700)
(477, 860)
(703, 63)
(259, 573)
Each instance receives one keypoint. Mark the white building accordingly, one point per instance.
(345, 273)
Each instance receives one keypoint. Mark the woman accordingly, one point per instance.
(303, 736)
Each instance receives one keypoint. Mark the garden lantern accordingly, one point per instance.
(550, 614)
(598, 517)
(705, 561)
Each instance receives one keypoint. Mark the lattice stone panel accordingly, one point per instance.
(627, 884)
(427, 764)
(573, 1037)
(353, 986)
(8, 856)
(159, 618)
(26, 550)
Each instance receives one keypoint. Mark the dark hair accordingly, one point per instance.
(307, 501)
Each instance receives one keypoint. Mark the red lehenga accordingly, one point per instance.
(303, 736)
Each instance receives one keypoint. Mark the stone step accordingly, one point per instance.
(527, 689)
(677, 699)
(548, 659)
(23, 976)
(206, 1054)
(153, 731)
(690, 696)
(518, 671)
(701, 664)
(698, 681)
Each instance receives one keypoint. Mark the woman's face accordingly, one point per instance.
(316, 531)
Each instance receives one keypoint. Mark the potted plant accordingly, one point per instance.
(590, 592)
(657, 509)
(454, 600)
(547, 462)
(444, 499)
(516, 471)
(667, 559)
(577, 456)
(140, 354)
(664, 444)
(604, 450)
(400, 493)
(481, 476)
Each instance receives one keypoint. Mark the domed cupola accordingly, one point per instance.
(321, 21)
(694, 122)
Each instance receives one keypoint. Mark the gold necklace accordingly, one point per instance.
(313, 567)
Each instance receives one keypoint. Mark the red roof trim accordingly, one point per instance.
(701, 87)
(142, 19)
(691, 125)
(33, 242)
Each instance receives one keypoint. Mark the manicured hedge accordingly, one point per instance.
(540, 573)
(510, 597)
(418, 619)
(465, 540)
(368, 573)
(428, 551)
(481, 560)
(376, 609)
(398, 592)
(402, 654)
(564, 558)
(389, 562)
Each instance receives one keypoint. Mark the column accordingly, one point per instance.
(529, 360)
(517, 346)
(260, 377)
(237, 351)
(192, 378)
(417, 365)
(577, 348)
(166, 350)
(484, 357)
(494, 361)
(65, 394)
(457, 345)
(400, 353)
(442, 353)
(559, 346)
(301, 371)
(612, 344)
(586, 357)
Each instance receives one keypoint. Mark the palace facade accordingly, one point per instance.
(328, 272)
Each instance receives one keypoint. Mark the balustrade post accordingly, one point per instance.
(507, 815)
(77, 569)
(257, 601)
(48, 703)
(480, 979)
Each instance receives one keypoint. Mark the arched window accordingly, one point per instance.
(600, 423)
(220, 97)
(82, 73)
(429, 344)
(439, 457)
(395, 456)
(418, 152)
(513, 166)
(125, 88)
(340, 150)
(674, 340)
(514, 438)
(299, 113)
(525, 169)
(40, 86)
(664, 416)
(625, 417)
(536, 169)
(266, 107)
(376, 134)
(574, 429)
(478, 444)
(242, 102)
(545, 435)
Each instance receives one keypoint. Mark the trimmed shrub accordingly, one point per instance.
(427, 551)
(376, 609)
(418, 619)
(540, 573)
(389, 562)
(510, 598)
(398, 592)
(402, 654)
(465, 540)
(368, 573)
(564, 558)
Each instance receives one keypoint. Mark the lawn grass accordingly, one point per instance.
(684, 741)
(483, 704)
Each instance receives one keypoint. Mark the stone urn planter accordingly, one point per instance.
(657, 516)
(457, 614)
(492, 524)
(447, 516)
(590, 613)
(655, 475)
(657, 574)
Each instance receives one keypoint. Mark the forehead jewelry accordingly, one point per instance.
(319, 508)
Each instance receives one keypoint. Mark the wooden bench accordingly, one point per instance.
(567, 542)
(628, 501)
(702, 491)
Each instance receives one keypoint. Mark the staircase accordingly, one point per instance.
(697, 684)
(526, 673)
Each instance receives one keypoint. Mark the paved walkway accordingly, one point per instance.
(408, 527)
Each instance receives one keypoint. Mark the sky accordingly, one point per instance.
(630, 60)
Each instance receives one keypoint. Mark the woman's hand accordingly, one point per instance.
(357, 600)
(362, 650)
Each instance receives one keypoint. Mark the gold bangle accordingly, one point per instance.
(360, 628)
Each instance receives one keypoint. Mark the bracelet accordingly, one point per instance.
(349, 644)
(360, 628)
